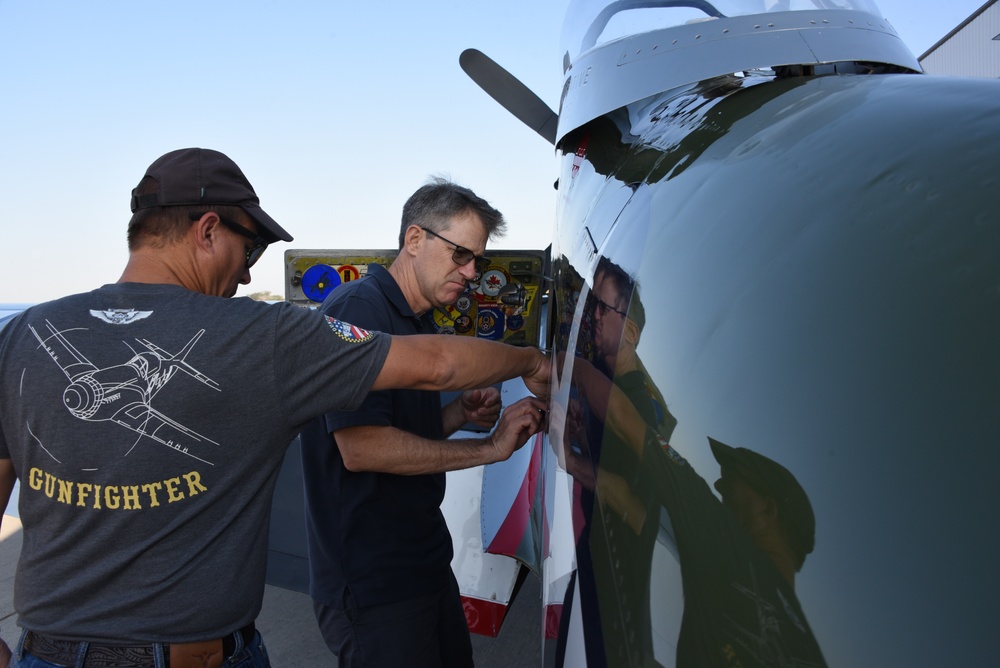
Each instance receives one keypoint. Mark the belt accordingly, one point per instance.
(98, 655)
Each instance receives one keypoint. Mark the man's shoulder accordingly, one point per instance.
(361, 302)
(80, 304)
(365, 287)
(164, 305)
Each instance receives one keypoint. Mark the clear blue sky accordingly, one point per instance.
(336, 111)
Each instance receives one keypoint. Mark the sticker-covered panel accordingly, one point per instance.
(502, 303)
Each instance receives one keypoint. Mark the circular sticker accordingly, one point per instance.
(489, 323)
(463, 303)
(318, 281)
(463, 323)
(493, 281)
(515, 322)
(348, 272)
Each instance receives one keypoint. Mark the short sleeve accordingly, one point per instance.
(323, 363)
(376, 408)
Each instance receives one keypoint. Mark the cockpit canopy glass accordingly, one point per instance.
(593, 22)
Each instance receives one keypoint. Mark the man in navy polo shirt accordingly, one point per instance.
(379, 549)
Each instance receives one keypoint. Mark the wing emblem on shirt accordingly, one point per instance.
(120, 316)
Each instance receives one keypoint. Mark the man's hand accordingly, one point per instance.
(539, 378)
(481, 407)
(519, 422)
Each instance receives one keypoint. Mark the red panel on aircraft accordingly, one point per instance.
(483, 617)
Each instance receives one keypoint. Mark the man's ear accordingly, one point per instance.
(631, 332)
(204, 231)
(412, 238)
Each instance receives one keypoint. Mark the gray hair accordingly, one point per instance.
(434, 204)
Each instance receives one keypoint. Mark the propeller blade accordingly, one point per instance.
(512, 95)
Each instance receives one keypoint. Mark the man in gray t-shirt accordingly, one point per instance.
(147, 421)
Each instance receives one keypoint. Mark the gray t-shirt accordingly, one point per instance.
(147, 425)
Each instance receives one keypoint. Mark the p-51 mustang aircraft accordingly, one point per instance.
(775, 273)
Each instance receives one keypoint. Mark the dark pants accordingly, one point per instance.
(425, 632)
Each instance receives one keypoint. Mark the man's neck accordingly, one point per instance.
(625, 361)
(403, 273)
(145, 266)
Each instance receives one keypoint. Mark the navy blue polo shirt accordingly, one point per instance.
(374, 536)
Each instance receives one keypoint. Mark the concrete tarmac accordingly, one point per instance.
(289, 628)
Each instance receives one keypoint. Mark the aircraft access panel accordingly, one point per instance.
(503, 302)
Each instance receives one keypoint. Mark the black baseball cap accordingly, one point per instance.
(201, 176)
(769, 478)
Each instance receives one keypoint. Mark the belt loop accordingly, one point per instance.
(238, 637)
(159, 652)
(19, 649)
(81, 654)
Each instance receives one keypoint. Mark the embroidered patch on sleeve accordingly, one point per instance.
(347, 331)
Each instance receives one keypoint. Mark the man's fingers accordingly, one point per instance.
(526, 415)
(490, 396)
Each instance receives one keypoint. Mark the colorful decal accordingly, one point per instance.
(445, 317)
(532, 290)
(493, 280)
(463, 304)
(463, 323)
(347, 331)
(490, 323)
(348, 272)
(318, 280)
(515, 322)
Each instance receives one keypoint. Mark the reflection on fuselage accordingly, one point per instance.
(825, 304)
(633, 491)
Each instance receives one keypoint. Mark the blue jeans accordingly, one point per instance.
(253, 655)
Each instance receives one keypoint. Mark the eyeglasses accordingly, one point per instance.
(604, 307)
(259, 243)
(462, 255)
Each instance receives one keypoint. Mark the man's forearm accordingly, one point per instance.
(435, 362)
(391, 450)
(452, 417)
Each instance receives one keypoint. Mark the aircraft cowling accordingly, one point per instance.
(817, 265)
(84, 397)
